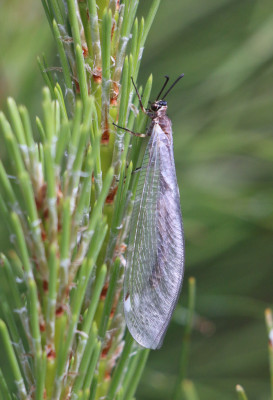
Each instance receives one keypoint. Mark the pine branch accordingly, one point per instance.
(66, 203)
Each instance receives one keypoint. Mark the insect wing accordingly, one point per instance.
(155, 254)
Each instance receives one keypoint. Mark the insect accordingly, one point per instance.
(155, 252)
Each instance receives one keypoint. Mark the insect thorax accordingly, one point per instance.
(158, 114)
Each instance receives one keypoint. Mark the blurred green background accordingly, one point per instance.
(222, 114)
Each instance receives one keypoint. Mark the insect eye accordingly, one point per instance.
(154, 107)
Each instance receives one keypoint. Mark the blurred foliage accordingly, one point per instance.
(222, 121)
(25, 34)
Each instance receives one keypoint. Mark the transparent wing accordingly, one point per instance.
(155, 254)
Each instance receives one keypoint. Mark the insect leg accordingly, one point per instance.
(133, 172)
(139, 98)
(128, 130)
(136, 170)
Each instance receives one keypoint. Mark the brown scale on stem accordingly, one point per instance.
(43, 233)
(59, 311)
(111, 363)
(115, 93)
(42, 326)
(104, 291)
(111, 195)
(85, 51)
(106, 349)
(113, 310)
(50, 353)
(40, 197)
(97, 75)
(113, 30)
(77, 86)
(119, 252)
(106, 134)
(45, 286)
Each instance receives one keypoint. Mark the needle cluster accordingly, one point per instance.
(66, 199)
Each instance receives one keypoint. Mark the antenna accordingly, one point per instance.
(168, 91)
(165, 83)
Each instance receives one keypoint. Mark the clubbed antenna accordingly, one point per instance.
(168, 91)
(163, 87)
